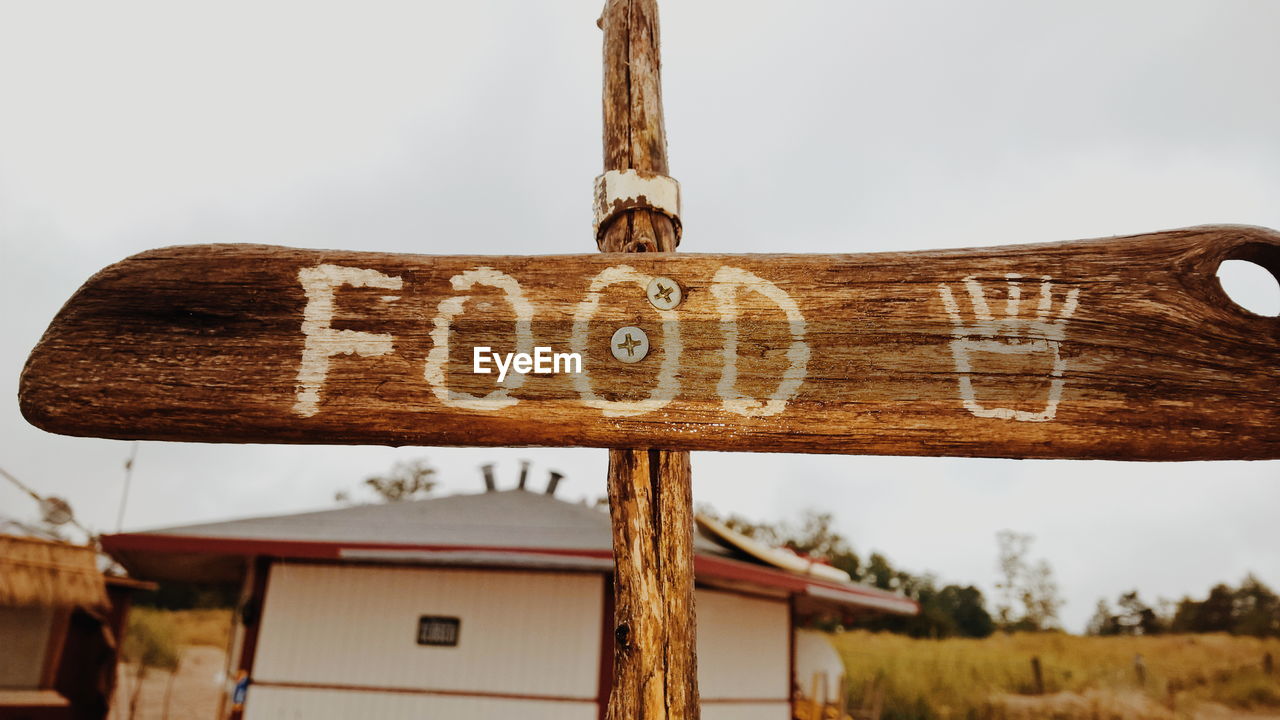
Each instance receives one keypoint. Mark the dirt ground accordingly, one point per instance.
(194, 695)
(1111, 704)
(198, 683)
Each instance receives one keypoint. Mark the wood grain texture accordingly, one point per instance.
(204, 343)
(655, 673)
(655, 662)
(635, 136)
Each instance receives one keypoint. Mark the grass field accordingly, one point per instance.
(1185, 676)
(1084, 677)
(156, 637)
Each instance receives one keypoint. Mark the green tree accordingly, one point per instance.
(1251, 609)
(1216, 613)
(966, 606)
(813, 536)
(1029, 598)
(816, 537)
(880, 573)
(953, 610)
(1134, 617)
(1138, 618)
(1011, 559)
(1256, 609)
(407, 480)
(1104, 621)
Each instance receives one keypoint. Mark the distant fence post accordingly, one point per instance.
(1172, 689)
(1038, 675)
(1140, 669)
(1268, 664)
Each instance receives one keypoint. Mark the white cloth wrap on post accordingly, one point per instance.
(618, 191)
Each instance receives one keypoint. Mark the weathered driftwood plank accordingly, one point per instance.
(650, 491)
(1113, 348)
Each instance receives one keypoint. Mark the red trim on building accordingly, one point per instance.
(706, 566)
(792, 686)
(604, 687)
(423, 691)
(261, 574)
(480, 694)
(160, 543)
(711, 566)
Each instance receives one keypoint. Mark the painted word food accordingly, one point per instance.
(323, 341)
(1012, 333)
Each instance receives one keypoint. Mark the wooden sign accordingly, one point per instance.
(1113, 348)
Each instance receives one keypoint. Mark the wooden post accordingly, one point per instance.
(650, 498)
(1037, 675)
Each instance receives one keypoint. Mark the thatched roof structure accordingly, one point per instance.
(35, 572)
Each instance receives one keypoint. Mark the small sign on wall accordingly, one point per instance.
(440, 631)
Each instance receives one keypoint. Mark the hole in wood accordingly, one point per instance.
(1250, 286)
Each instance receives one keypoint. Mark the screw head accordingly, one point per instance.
(664, 293)
(629, 344)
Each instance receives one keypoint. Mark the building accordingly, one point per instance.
(494, 605)
(60, 625)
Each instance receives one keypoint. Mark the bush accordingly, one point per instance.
(1249, 690)
(985, 678)
(150, 640)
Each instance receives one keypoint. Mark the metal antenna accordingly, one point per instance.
(53, 510)
(128, 478)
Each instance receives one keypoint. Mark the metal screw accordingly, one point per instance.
(664, 293)
(629, 344)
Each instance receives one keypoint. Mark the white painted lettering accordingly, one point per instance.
(725, 286)
(668, 383)
(322, 341)
(438, 357)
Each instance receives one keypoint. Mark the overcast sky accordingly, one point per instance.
(474, 127)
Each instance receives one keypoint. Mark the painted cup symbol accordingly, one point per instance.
(1012, 334)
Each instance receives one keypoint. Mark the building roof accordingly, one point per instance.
(513, 528)
(45, 573)
(508, 518)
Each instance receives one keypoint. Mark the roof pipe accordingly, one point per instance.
(489, 484)
(553, 481)
(524, 473)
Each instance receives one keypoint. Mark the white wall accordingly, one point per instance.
(24, 639)
(815, 655)
(743, 647)
(522, 633)
(272, 703)
(747, 711)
